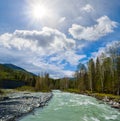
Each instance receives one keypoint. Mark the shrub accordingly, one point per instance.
(26, 88)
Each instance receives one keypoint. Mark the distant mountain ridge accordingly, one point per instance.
(13, 67)
(12, 76)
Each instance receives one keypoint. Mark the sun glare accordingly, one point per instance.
(39, 11)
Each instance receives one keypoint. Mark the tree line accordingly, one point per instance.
(102, 75)
(98, 75)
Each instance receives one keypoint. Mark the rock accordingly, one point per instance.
(116, 106)
(21, 103)
(110, 102)
(5, 98)
(105, 99)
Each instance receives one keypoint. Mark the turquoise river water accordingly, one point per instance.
(73, 107)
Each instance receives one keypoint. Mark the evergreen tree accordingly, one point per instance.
(98, 85)
(91, 74)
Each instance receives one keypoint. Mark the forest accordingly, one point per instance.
(100, 74)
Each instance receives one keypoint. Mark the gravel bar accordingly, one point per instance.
(15, 105)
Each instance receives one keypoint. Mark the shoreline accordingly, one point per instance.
(17, 104)
(105, 98)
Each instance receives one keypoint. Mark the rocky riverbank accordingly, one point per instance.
(113, 101)
(17, 104)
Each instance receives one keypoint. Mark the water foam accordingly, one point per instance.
(113, 117)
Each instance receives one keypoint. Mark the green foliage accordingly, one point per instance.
(1, 92)
(91, 74)
(109, 96)
(102, 75)
(98, 86)
(7, 73)
(43, 83)
(26, 88)
(72, 90)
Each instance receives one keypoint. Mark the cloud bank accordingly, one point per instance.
(103, 27)
(87, 8)
(46, 50)
(58, 41)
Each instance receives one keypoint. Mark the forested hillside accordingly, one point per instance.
(11, 74)
(101, 74)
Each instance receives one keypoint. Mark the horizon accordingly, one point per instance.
(55, 36)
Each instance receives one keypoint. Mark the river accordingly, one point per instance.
(73, 107)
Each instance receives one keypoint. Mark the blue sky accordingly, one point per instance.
(54, 36)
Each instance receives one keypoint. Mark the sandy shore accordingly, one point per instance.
(17, 104)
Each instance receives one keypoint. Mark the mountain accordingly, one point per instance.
(12, 76)
(14, 67)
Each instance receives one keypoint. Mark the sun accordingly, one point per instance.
(39, 12)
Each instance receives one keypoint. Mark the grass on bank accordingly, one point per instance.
(22, 88)
(97, 95)
(5, 92)
(72, 90)
(1, 92)
(109, 96)
(31, 89)
(26, 88)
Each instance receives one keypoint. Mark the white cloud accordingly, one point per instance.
(87, 8)
(72, 10)
(55, 71)
(69, 55)
(46, 40)
(62, 19)
(103, 27)
(37, 51)
(106, 49)
(50, 47)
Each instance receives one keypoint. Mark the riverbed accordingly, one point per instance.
(73, 107)
(17, 104)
